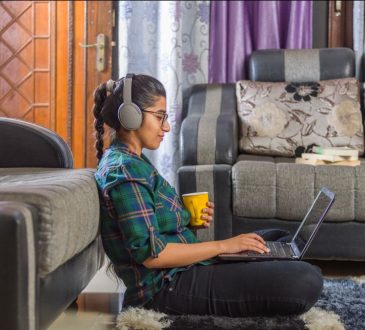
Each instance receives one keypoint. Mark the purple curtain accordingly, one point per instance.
(239, 27)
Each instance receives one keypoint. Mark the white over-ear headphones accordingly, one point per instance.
(129, 114)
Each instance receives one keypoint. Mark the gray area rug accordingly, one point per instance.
(341, 306)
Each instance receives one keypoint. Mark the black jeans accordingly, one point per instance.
(241, 289)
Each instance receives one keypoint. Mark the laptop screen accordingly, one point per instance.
(313, 218)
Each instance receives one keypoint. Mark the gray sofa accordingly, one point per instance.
(50, 245)
(254, 192)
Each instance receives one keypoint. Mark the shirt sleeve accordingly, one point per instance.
(134, 211)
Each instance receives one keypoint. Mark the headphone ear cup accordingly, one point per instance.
(130, 116)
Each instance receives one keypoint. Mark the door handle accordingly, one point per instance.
(338, 8)
(100, 51)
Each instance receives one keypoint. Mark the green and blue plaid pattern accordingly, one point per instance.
(140, 213)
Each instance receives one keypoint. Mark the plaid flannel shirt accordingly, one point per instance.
(140, 213)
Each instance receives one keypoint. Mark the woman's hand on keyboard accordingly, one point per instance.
(244, 242)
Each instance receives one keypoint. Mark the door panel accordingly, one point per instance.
(79, 22)
(25, 71)
(96, 23)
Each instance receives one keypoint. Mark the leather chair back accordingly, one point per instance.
(24, 144)
(301, 65)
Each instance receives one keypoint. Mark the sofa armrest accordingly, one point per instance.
(68, 206)
(209, 133)
(216, 179)
(18, 285)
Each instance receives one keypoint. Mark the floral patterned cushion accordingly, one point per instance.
(276, 118)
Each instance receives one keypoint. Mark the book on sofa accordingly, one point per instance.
(328, 158)
(314, 161)
(336, 151)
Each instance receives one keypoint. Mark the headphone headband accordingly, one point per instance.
(127, 88)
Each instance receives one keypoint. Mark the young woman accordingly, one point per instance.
(144, 225)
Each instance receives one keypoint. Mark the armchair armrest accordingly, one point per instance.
(216, 180)
(209, 133)
(18, 285)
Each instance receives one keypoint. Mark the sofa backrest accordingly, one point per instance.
(301, 65)
(209, 133)
(24, 144)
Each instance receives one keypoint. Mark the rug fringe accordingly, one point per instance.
(320, 319)
(141, 319)
(358, 279)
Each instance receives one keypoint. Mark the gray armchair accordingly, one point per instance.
(50, 245)
(253, 191)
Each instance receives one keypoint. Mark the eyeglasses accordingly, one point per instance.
(163, 116)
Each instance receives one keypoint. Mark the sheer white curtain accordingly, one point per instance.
(359, 40)
(170, 41)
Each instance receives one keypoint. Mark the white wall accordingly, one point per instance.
(103, 282)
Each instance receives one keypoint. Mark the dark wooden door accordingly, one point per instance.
(46, 77)
(340, 30)
(100, 19)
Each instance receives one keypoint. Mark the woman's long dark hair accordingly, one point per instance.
(145, 90)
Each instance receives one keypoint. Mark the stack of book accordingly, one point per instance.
(330, 156)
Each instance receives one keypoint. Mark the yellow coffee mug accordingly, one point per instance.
(195, 203)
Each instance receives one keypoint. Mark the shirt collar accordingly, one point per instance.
(116, 144)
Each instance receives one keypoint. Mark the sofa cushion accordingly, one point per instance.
(276, 118)
(275, 187)
(68, 205)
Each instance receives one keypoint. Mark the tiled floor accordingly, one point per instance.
(72, 320)
(97, 311)
(93, 311)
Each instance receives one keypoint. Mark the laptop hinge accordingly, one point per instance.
(295, 250)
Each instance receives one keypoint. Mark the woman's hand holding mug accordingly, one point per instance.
(208, 214)
(200, 208)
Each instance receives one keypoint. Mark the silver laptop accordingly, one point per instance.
(297, 247)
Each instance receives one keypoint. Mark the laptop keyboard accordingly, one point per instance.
(277, 249)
